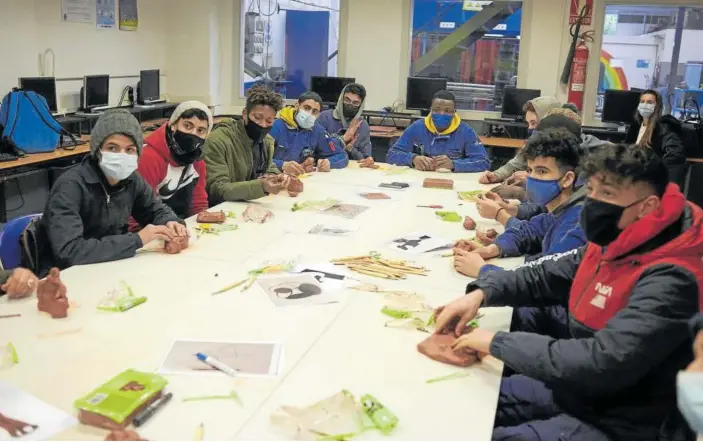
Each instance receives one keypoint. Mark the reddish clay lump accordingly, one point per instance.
(51, 295)
(176, 245)
(469, 223)
(439, 348)
(212, 217)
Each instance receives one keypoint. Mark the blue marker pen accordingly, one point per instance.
(217, 364)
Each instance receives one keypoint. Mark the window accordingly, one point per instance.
(288, 41)
(482, 62)
(638, 50)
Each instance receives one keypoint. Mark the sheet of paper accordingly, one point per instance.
(105, 14)
(250, 359)
(346, 211)
(25, 417)
(80, 11)
(418, 242)
(296, 290)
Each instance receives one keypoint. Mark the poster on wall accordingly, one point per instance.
(80, 11)
(575, 11)
(129, 19)
(105, 14)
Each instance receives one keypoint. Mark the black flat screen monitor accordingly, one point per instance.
(514, 100)
(44, 86)
(96, 91)
(421, 90)
(149, 86)
(329, 88)
(620, 106)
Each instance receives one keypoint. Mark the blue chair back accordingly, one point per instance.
(10, 247)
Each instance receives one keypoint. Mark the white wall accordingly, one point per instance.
(35, 25)
(627, 50)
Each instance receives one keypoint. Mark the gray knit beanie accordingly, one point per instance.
(116, 121)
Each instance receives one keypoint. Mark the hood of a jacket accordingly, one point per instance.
(575, 199)
(453, 126)
(673, 204)
(543, 104)
(157, 140)
(591, 142)
(338, 114)
(287, 115)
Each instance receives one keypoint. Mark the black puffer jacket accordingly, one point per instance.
(666, 142)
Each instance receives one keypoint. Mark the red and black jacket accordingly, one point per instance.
(629, 306)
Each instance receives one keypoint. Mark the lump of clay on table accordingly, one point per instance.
(438, 183)
(211, 217)
(51, 295)
(256, 214)
(123, 435)
(469, 223)
(176, 245)
(439, 348)
(295, 186)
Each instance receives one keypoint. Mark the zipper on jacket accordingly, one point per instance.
(595, 274)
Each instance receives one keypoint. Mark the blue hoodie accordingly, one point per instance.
(543, 234)
(459, 142)
(334, 122)
(295, 144)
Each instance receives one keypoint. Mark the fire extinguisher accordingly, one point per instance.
(577, 77)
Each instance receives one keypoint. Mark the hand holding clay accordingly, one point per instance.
(51, 295)
(443, 162)
(488, 237)
(152, 232)
(324, 165)
(272, 184)
(488, 178)
(309, 165)
(295, 186)
(293, 168)
(368, 163)
(424, 164)
(439, 348)
(176, 245)
(20, 284)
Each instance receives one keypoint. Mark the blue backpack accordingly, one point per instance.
(26, 123)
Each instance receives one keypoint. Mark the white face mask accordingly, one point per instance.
(304, 119)
(689, 391)
(118, 166)
(646, 110)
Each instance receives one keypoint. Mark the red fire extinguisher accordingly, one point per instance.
(577, 78)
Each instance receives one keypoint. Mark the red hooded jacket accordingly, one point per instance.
(182, 190)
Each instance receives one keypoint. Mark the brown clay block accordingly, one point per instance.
(212, 217)
(469, 223)
(439, 348)
(438, 183)
(100, 421)
(176, 245)
(51, 295)
(123, 435)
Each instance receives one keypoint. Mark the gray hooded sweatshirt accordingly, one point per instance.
(334, 122)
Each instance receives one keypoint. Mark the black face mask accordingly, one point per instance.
(255, 131)
(349, 110)
(599, 220)
(186, 148)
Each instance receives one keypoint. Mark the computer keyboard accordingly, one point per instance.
(5, 156)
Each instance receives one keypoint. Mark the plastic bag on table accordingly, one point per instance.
(316, 205)
(8, 356)
(120, 299)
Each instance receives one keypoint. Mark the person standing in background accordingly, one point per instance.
(661, 133)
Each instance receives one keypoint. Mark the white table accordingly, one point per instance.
(326, 348)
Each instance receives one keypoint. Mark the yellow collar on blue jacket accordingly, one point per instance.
(453, 126)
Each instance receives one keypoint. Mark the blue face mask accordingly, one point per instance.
(542, 191)
(689, 394)
(442, 121)
(530, 132)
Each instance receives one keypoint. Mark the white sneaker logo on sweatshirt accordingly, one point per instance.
(603, 292)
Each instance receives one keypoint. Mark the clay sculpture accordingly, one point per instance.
(51, 295)
(256, 214)
(439, 348)
(212, 217)
(438, 183)
(176, 245)
(469, 223)
(295, 187)
(487, 238)
(123, 435)
(16, 428)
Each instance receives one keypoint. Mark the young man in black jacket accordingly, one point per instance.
(85, 219)
(608, 372)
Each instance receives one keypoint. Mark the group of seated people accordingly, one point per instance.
(613, 250)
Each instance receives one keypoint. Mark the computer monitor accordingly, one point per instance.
(329, 88)
(421, 90)
(96, 91)
(44, 86)
(514, 100)
(620, 106)
(149, 88)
